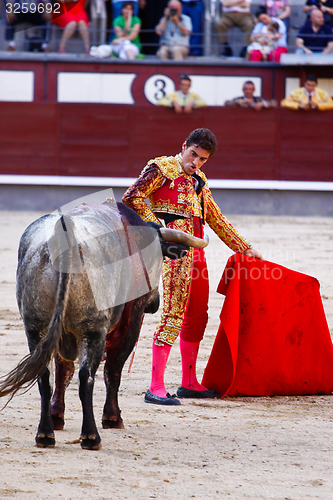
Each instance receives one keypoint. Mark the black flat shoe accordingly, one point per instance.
(158, 400)
(182, 392)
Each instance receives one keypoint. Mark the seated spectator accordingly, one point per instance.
(278, 37)
(73, 17)
(117, 6)
(265, 44)
(308, 97)
(326, 7)
(249, 100)
(31, 15)
(182, 100)
(315, 36)
(280, 9)
(174, 30)
(195, 10)
(126, 43)
(235, 13)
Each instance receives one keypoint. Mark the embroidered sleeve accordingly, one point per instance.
(149, 181)
(222, 227)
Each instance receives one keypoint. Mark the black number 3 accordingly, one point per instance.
(160, 85)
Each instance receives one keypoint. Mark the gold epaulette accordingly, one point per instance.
(169, 166)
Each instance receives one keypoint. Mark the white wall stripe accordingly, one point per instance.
(54, 180)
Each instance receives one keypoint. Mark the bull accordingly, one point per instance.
(84, 282)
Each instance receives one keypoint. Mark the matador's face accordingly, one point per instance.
(194, 157)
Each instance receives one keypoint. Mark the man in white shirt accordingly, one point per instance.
(174, 30)
(235, 13)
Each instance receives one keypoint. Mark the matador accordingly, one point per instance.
(179, 196)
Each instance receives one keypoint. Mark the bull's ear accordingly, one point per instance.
(174, 250)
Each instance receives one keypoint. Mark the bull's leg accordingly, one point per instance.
(119, 345)
(89, 361)
(45, 434)
(64, 371)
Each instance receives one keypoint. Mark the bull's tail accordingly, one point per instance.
(33, 366)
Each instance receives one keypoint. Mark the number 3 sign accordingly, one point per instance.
(158, 86)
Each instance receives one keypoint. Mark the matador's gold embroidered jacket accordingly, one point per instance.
(172, 196)
(170, 190)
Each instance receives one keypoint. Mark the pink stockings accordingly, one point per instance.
(160, 358)
(189, 353)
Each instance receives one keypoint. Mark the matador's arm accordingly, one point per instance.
(149, 181)
(222, 227)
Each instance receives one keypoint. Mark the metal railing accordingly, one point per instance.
(210, 48)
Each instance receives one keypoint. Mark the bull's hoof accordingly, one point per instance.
(113, 424)
(45, 440)
(92, 442)
(58, 422)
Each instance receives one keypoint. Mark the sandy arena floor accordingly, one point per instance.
(239, 448)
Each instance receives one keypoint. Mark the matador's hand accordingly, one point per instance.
(252, 252)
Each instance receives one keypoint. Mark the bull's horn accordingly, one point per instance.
(177, 236)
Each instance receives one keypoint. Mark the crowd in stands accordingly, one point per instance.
(171, 29)
(306, 98)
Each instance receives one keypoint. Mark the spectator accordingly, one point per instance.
(265, 44)
(150, 15)
(249, 100)
(326, 7)
(73, 17)
(235, 13)
(15, 17)
(195, 10)
(308, 97)
(126, 43)
(117, 6)
(280, 9)
(182, 100)
(174, 29)
(315, 36)
(279, 39)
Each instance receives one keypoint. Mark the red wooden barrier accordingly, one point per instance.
(117, 140)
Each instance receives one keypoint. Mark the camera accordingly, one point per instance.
(173, 12)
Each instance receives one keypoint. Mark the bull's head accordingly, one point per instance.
(175, 243)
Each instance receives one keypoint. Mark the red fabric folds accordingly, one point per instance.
(273, 337)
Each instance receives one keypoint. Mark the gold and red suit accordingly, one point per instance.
(184, 202)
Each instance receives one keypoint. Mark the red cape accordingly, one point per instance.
(273, 337)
